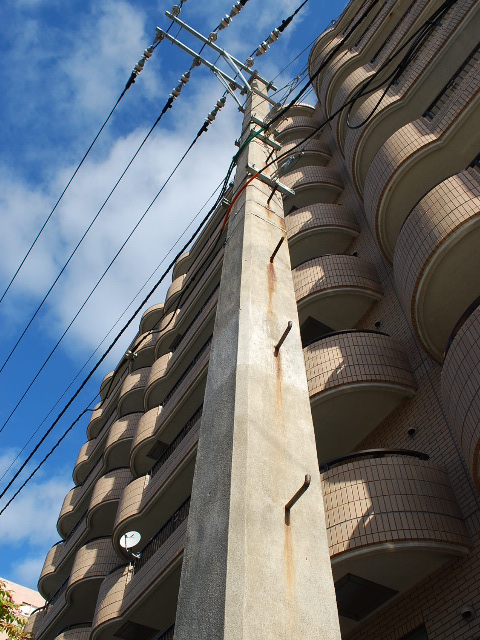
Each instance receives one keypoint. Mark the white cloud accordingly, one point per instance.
(32, 516)
(27, 571)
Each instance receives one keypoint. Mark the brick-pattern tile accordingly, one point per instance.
(390, 500)
(334, 272)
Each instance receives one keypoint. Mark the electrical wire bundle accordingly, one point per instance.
(223, 190)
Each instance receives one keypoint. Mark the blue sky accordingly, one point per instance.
(65, 64)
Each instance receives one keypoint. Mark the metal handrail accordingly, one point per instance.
(460, 322)
(175, 443)
(371, 453)
(187, 371)
(162, 535)
(343, 331)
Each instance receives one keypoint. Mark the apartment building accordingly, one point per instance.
(346, 358)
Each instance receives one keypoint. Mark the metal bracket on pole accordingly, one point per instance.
(233, 83)
(228, 57)
(270, 181)
(263, 124)
(296, 497)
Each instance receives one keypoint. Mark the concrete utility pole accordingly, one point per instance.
(252, 569)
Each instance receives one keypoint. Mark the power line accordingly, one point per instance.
(173, 96)
(99, 362)
(229, 172)
(131, 80)
(110, 331)
(203, 129)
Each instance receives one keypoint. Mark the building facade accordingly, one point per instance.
(27, 600)
(380, 209)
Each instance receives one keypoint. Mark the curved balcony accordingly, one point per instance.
(150, 499)
(365, 41)
(437, 259)
(133, 595)
(419, 156)
(151, 318)
(169, 368)
(420, 81)
(105, 385)
(461, 388)
(103, 504)
(144, 347)
(75, 601)
(97, 521)
(355, 380)
(294, 127)
(415, 14)
(318, 230)
(312, 185)
(335, 290)
(157, 393)
(90, 453)
(76, 501)
(301, 109)
(182, 265)
(174, 290)
(317, 145)
(112, 443)
(130, 399)
(119, 441)
(160, 426)
(331, 36)
(392, 520)
(75, 632)
(104, 411)
(200, 286)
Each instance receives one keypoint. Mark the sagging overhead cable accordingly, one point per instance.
(131, 80)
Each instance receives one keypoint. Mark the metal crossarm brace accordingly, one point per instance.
(272, 143)
(238, 63)
(263, 124)
(270, 181)
(208, 64)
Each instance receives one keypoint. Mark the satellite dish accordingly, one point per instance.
(130, 540)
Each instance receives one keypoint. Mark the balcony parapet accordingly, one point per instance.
(95, 522)
(173, 292)
(319, 229)
(461, 388)
(437, 261)
(391, 520)
(194, 369)
(355, 380)
(373, 30)
(75, 600)
(419, 156)
(312, 185)
(130, 399)
(336, 290)
(151, 317)
(197, 291)
(105, 409)
(422, 79)
(157, 576)
(147, 500)
(75, 632)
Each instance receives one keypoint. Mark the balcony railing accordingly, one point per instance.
(162, 536)
(187, 371)
(371, 453)
(472, 60)
(175, 443)
(197, 315)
